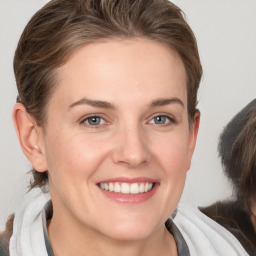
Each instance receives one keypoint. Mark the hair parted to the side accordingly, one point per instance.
(62, 26)
(238, 152)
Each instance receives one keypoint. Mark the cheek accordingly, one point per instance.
(71, 158)
(172, 153)
(172, 157)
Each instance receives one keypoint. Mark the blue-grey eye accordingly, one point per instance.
(94, 120)
(161, 119)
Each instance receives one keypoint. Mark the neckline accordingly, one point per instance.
(182, 246)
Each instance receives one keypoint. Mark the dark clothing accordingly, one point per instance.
(231, 216)
(5, 237)
(3, 247)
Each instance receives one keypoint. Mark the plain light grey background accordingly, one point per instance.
(226, 34)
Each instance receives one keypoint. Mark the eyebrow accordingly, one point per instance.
(164, 102)
(92, 103)
(107, 105)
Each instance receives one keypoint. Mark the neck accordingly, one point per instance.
(72, 239)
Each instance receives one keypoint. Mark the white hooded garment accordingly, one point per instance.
(203, 236)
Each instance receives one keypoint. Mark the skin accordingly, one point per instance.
(253, 215)
(133, 78)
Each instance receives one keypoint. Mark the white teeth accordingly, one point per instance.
(111, 187)
(134, 189)
(142, 188)
(117, 188)
(127, 188)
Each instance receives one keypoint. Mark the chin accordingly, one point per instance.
(134, 234)
(131, 230)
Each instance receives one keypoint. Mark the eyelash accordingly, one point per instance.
(171, 120)
(85, 121)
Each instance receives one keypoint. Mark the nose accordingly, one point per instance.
(131, 148)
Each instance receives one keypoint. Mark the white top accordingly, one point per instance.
(203, 236)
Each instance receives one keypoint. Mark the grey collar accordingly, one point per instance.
(47, 215)
(171, 227)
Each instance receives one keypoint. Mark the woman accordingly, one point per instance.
(238, 155)
(106, 114)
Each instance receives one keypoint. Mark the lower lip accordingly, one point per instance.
(130, 198)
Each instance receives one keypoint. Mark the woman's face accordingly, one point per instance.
(117, 143)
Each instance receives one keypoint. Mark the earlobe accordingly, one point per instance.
(30, 137)
(193, 137)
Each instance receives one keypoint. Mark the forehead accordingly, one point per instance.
(138, 67)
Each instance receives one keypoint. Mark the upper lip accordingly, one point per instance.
(129, 180)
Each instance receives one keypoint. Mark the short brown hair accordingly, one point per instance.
(62, 26)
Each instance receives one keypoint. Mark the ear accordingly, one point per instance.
(193, 137)
(30, 137)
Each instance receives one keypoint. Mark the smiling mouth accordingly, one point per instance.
(127, 188)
